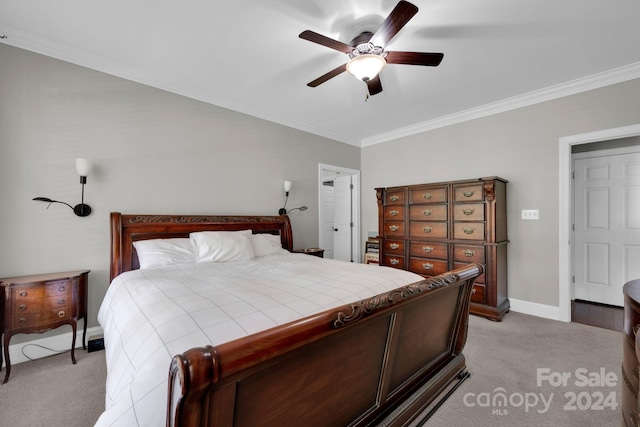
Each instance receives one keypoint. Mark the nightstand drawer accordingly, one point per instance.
(51, 303)
(40, 318)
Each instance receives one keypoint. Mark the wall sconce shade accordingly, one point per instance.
(283, 209)
(83, 167)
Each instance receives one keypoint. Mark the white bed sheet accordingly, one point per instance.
(150, 315)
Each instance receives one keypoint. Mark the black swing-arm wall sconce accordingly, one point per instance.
(283, 209)
(83, 167)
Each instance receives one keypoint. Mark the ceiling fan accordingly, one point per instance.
(367, 56)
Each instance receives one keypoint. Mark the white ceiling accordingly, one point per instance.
(246, 55)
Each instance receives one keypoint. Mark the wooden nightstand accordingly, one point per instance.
(311, 251)
(42, 302)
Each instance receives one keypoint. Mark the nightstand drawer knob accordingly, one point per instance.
(62, 288)
(61, 313)
(23, 293)
(22, 320)
(61, 302)
(427, 229)
(22, 307)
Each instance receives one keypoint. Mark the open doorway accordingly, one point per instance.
(566, 216)
(339, 213)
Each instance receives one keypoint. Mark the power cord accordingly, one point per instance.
(43, 347)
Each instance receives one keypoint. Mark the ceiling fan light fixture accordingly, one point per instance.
(366, 66)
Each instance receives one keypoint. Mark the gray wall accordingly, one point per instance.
(154, 152)
(521, 146)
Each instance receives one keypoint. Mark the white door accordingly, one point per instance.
(327, 219)
(607, 226)
(342, 241)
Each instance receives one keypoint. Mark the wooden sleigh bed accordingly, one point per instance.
(378, 361)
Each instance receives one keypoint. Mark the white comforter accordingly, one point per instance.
(150, 315)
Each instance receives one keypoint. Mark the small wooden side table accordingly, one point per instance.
(311, 251)
(42, 302)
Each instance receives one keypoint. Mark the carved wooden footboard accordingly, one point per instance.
(380, 361)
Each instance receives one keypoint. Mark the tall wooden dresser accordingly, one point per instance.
(433, 228)
(630, 354)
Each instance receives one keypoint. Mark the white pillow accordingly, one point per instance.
(156, 253)
(217, 246)
(266, 244)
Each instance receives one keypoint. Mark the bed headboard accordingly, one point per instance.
(126, 229)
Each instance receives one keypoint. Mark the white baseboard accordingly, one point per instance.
(48, 346)
(539, 310)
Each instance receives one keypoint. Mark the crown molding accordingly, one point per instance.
(616, 75)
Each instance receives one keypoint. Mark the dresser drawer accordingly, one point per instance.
(468, 193)
(27, 293)
(394, 197)
(33, 305)
(428, 249)
(428, 230)
(37, 319)
(428, 195)
(428, 212)
(468, 253)
(468, 231)
(428, 267)
(394, 247)
(62, 287)
(468, 212)
(394, 229)
(477, 294)
(394, 213)
(393, 261)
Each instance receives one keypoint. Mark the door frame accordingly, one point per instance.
(355, 203)
(565, 252)
(605, 152)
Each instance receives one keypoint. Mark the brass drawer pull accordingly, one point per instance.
(394, 261)
(468, 193)
(469, 253)
(427, 196)
(61, 302)
(468, 230)
(394, 198)
(62, 288)
(61, 313)
(468, 211)
(427, 249)
(394, 245)
(427, 229)
(22, 307)
(23, 293)
(393, 212)
(427, 266)
(22, 320)
(427, 212)
(393, 228)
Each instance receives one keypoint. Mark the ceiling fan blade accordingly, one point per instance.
(414, 58)
(374, 85)
(331, 74)
(325, 41)
(397, 19)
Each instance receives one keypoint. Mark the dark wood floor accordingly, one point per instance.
(602, 316)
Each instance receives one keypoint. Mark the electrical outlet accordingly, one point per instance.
(530, 214)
